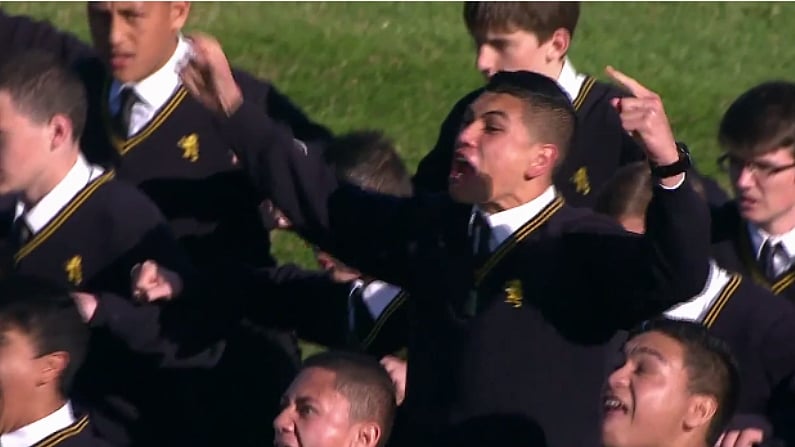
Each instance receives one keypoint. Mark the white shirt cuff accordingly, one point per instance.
(676, 186)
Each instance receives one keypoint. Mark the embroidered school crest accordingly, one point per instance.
(190, 147)
(581, 182)
(513, 293)
(74, 269)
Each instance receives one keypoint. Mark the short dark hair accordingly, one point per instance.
(539, 18)
(369, 160)
(760, 120)
(47, 314)
(41, 87)
(364, 382)
(548, 110)
(710, 365)
(629, 191)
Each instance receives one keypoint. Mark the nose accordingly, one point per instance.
(486, 60)
(744, 178)
(283, 423)
(467, 135)
(115, 31)
(619, 378)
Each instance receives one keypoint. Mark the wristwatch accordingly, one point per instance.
(677, 167)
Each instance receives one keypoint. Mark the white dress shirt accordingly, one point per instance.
(569, 80)
(697, 307)
(153, 91)
(39, 215)
(377, 296)
(787, 241)
(36, 431)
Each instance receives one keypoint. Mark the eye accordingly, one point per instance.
(305, 410)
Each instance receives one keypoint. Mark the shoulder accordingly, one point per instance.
(123, 202)
(78, 434)
(253, 88)
(573, 220)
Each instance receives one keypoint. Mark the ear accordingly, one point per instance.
(543, 161)
(701, 410)
(179, 14)
(558, 45)
(52, 366)
(368, 434)
(61, 127)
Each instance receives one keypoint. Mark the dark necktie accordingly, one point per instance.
(480, 235)
(771, 252)
(121, 120)
(20, 232)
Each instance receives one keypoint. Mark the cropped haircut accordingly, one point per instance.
(368, 159)
(539, 18)
(761, 120)
(548, 113)
(364, 383)
(711, 368)
(47, 314)
(629, 191)
(41, 87)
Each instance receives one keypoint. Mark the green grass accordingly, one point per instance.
(400, 66)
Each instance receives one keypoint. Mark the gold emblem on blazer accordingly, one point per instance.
(190, 147)
(74, 269)
(513, 293)
(581, 181)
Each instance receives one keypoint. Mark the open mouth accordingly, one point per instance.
(612, 405)
(460, 168)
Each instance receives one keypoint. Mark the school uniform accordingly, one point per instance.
(20, 33)
(87, 233)
(599, 147)
(171, 147)
(62, 428)
(741, 247)
(758, 327)
(528, 330)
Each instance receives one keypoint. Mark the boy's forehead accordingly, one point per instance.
(496, 102)
(656, 342)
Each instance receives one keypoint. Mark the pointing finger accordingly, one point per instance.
(634, 87)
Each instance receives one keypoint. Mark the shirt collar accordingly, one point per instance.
(696, 308)
(505, 223)
(760, 236)
(569, 80)
(73, 182)
(36, 431)
(157, 88)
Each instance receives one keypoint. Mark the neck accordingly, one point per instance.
(555, 69)
(38, 409)
(49, 179)
(779, 226)
(529, 192)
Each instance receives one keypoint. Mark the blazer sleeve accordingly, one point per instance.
(638, 277)
(375, 233)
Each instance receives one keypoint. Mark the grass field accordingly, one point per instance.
(400, 66)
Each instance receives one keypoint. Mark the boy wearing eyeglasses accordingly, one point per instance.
(754, 234)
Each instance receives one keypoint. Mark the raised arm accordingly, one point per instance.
(374, 233)
(642, 276)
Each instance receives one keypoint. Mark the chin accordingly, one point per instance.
(462, 194)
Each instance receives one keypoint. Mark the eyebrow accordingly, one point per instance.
(498, 113)
(303, 400)
(647, 351)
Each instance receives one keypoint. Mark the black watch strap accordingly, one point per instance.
(675, 168)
